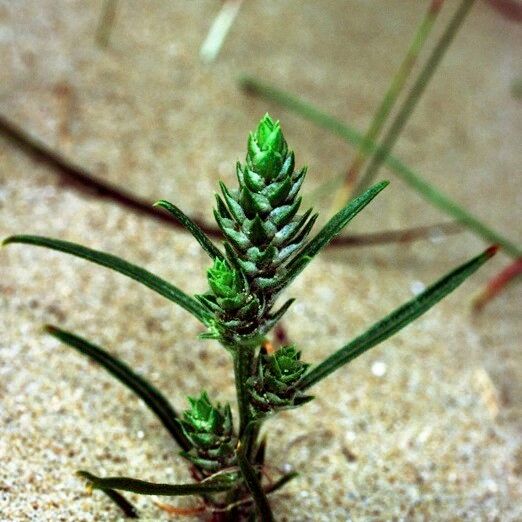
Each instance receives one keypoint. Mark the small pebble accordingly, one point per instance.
(417, 287)
(379, 368)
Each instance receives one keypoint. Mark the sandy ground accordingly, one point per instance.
(425, 427)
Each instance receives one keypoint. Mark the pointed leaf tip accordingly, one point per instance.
(196, 231)
(491, 251)
(50, 329)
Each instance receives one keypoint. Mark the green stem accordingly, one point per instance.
(415, 93)
(412, 178)
(243, 360)
(395, 88)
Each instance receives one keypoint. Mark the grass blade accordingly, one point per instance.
(415, 93)
(142, 487)
(192, 227)
(387, 103)
(119, 265)
(331, 229)
(409, 176)
(127, 508)
(144, 390)
(396, 321)
(254, 486)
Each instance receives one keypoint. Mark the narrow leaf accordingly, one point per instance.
(127, 508)
(396, 320)
(415, 93)
(278, 484)
(124, 267)
(329, 231)
(145, 391)
(254, 486)
(260, 454)
(192, 227)
(142, 487)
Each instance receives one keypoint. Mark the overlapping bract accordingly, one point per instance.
(262, 230)
(259, 219)
(236, 312)
(273, 387)
(210, 430)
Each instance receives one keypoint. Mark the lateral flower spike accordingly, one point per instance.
(273, 388)
(226, 285)
(235, 310)
(210, 430)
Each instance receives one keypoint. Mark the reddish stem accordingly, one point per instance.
(497, 284)
(510, 9)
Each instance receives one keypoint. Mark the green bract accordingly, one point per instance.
(275, 385)
(210, 431)
(265, 249)
(262, 233)
(259, 219)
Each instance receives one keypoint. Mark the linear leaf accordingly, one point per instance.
(144, 390)
(429, 192)
(254, 486)
(330, 230)
(142, 487)
(127, 508)
(278, 484)
(395, 321)
(120, 265)
(192, 227)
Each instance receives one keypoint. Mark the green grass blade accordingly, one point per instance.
(127, 508)
(396, 321)
(144, 390)
(394, 89)
(142, 487)
(415, 93)
(254, 486)
(330, 230)
(430, 193)
(192, 227)
(119, 265)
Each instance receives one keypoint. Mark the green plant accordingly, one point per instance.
(265, 248)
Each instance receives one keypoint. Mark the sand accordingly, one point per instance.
(424, 427)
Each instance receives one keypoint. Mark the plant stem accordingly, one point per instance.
(243, 360)
(510, 274)
(395, 88)
(414, 95)
(409, 176)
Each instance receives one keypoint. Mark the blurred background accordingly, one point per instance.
(145, 96)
